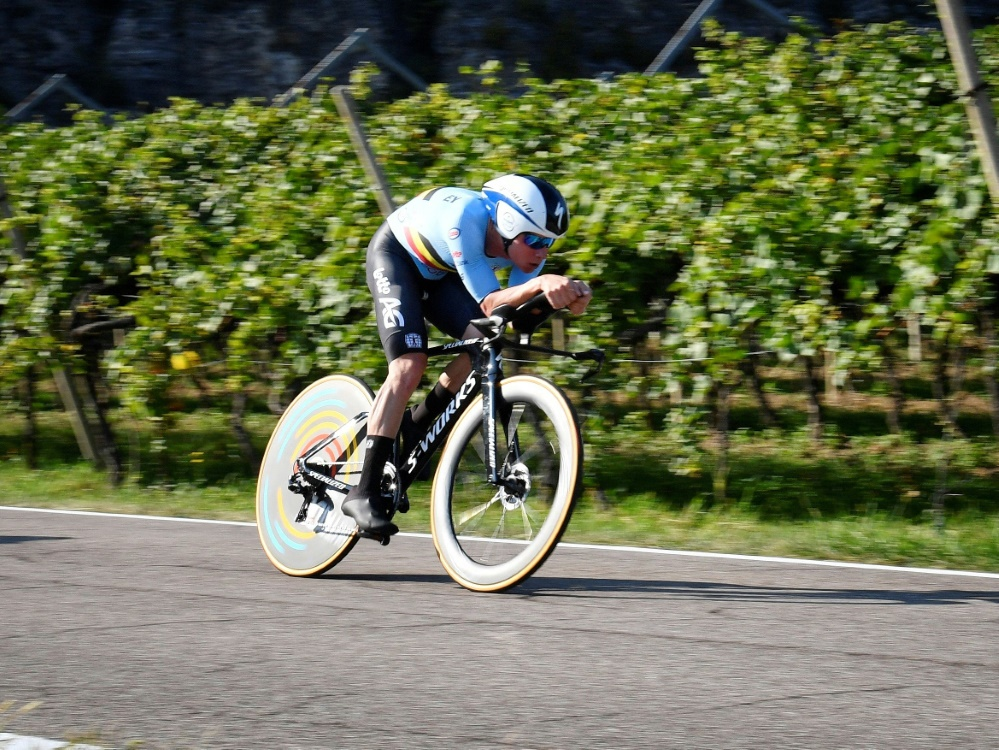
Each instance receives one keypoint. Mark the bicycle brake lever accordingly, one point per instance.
(491, 327)
(597, 356)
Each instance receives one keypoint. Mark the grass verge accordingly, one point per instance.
(883, 500)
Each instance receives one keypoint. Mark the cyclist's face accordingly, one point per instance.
(524, 256)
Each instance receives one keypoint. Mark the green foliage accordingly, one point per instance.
(801, 198)
(234, 236)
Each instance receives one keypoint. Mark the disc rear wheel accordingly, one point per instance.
(324, 536)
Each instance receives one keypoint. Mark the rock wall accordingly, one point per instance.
(135, 53)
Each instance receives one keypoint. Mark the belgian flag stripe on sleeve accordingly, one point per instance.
(421, 247)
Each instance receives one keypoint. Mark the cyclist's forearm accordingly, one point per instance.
(513, 296)
(560, 291)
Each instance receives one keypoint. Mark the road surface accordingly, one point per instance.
(182, 635)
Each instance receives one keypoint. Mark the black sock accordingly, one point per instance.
(379, 450)
(437, 400)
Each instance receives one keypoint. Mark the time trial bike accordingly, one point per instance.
(504, 489)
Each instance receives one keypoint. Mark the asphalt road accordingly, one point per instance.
(181, 635)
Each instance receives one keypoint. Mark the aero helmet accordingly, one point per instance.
(521, 203)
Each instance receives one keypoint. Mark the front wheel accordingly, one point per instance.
(490, 538)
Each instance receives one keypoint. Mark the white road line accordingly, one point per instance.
(573, 545)
(135, 516)
(787, 560)
(21, 742)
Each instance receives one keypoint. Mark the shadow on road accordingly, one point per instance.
(620, 588)
(388, 578)
(25, 539)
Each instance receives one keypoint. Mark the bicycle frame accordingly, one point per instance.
(485, 376)
(434, 438)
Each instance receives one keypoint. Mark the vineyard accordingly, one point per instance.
(806, 218)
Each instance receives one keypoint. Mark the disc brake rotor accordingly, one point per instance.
(516, 486)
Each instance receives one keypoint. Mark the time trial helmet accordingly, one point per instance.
(521, 203)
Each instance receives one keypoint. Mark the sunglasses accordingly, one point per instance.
(537, 242)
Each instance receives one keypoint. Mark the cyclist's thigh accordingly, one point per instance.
(450, 306)
(397, 287)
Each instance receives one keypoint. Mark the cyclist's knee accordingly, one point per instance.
(407, 370)
(456, 372)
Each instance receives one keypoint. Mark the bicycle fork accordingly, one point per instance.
(496, 412)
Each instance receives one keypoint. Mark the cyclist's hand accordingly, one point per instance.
(561, 291)
(578, 305)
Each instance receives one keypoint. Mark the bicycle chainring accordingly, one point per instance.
(392, 490)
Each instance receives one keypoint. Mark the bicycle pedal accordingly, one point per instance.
(382, 539)
(403, 506)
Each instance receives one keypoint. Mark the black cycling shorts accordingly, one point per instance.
(404, 298)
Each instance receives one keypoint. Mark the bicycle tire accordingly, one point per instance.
(489, 539)
(324, 407)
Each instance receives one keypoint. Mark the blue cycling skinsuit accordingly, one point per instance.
(428, 261)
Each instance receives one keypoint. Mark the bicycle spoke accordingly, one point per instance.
(526, 516)
(480, 510)
(516, 414)
(489, 537)
(536, 449)
(479, 446)
(498, 534)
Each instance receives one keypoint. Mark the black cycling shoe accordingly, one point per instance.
(371, 519)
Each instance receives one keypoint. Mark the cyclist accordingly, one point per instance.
(436, 258)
